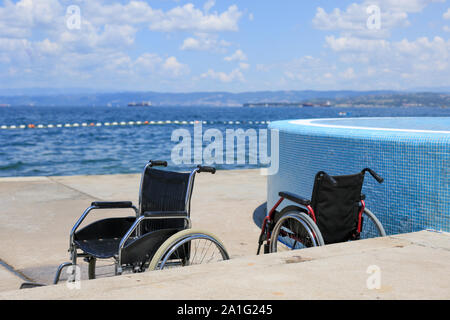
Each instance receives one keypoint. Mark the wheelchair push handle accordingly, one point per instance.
(329, 178)
(375, 175)
(206, 169)
(158, 163)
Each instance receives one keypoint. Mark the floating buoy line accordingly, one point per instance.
(129, 123)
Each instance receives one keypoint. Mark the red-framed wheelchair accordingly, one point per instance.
(335, 213)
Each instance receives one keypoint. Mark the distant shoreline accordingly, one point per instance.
(375, 106)
(247, 99)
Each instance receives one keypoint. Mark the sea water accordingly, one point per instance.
(104, 149)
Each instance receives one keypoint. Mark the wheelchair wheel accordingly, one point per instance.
(188, 247)
(295, 230)
(371, 227)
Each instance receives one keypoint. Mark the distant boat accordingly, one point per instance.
(140, 104)
(2, 105)
(286, 104)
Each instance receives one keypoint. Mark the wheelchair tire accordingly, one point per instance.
(295, 230)
(180, 247)
(374, 229)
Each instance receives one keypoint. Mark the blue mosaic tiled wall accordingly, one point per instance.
(415, 165)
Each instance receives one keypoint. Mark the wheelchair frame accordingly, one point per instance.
(308, 217)
(136, 226)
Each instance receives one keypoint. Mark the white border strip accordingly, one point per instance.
(310, 122)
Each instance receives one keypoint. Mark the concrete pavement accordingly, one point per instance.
(411, 266)
(38, 213)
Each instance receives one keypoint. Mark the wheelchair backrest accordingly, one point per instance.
(336, 207)
(165, 191)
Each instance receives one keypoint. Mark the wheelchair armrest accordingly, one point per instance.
(99, 205)
(157, 163)
(295, 198)
(206, 169)
(112, 204)
(165, 214)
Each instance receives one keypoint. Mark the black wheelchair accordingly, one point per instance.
(336, 213)
(159, 236)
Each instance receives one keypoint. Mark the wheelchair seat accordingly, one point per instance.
(99, 248)
(101, 239)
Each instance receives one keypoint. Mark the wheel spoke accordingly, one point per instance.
(294, 230)
(195, 247)
(210, 244)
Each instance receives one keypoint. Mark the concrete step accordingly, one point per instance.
(408, 266)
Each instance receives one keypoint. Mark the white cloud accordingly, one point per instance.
(117, 35)
(101, 19)
(208, 5)
(180, 18)
(307, 70)
(423, 61)
(353, 20)
(17, 20)
(404, 52)
(91, 38)
(237, 56)
(174, 68)
(361, 64)
(134, 12)
(148, 62)
(356, 44)
(35, 39)
(412, 6)
(349, 73)
(446, 15)
(204, 42)
(367, 57)
(188, 18)
(244, 66)
(195, 44)
(236, 74)
(424, 51)
(35, 43)
(263, 67)
(47, 47)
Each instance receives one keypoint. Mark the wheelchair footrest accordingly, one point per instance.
(29, 285)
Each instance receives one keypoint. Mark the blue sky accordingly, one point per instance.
(184, 46)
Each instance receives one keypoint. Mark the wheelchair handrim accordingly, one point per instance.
(377, 223)
(179, 239)
(190, 238)
(300, 217)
